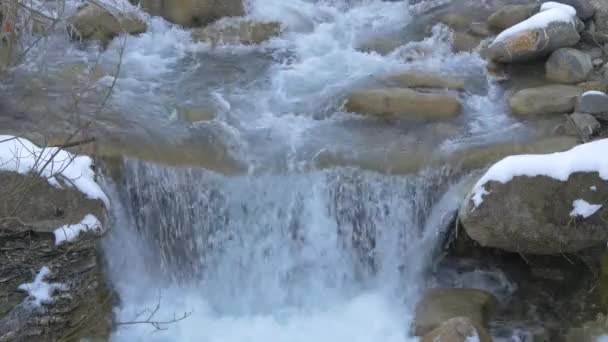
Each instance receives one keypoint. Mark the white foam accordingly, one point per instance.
(22, 156)
(582, 158)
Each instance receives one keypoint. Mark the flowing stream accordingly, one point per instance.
(314, 238)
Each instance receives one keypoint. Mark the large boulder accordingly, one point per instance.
(194, 13)
(404, 103)
(541, 204)
(552, 99)
(244, 32)
(98, 23)
(510, 15)
(553, 28)
(600, 21)
(568, 65)
(440, 305)
(458, 329)
(426, 79)
(592, 102)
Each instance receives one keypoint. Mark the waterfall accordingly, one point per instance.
(291, 250)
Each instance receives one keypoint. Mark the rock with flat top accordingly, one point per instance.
(98, 23)
(426, 79)
(404, 103)
(592, 102)
(194, 13)
(552, 99)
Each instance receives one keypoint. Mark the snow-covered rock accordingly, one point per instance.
(552, 99)
(567, 65)
(554, 27)
(59, 167)
(592, 102)
(533, 203)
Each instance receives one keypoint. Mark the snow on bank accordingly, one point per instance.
(22, 156)
(70, 232)
(41, 292)
(584, 208)
(549, 12)
(588, 157)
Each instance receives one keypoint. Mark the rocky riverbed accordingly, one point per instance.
(325, 170)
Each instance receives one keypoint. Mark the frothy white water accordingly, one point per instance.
(335, 255)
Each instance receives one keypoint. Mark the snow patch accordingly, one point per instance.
(41, 292)
(550, 12)
(593, 92)
(70, 232)
(560, 165)
(22, 156)
(593, 188)
(584, 208)
(603, 338)
(473, 338)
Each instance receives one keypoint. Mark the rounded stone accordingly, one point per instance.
(567, 65)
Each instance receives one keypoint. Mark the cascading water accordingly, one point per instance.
(297, 247)
(330, 255)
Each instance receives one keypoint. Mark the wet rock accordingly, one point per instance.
(464, 42)
(537, 215)
(586, 124)
(458, 329)
(552, 99)
(97, 23)
(568, 65)
(83, 310)
(439, 305)
(244, 32)
(592, 331)
(426, 79)
(584, 9)
(480, 29)
(592, 102)
(510, 15)
(194, 13)
(533, 43)
(597, 85)
(193, 115)
(404, 103)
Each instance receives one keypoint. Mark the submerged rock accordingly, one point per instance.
(404, 103)
(541, 204)
(244, 32)
(458, 329)
(553, 28)
(510, 15)
(439, 305)
(97, 23)
(194, 13)
(568, 65)
(425, 79)
(552, 99)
